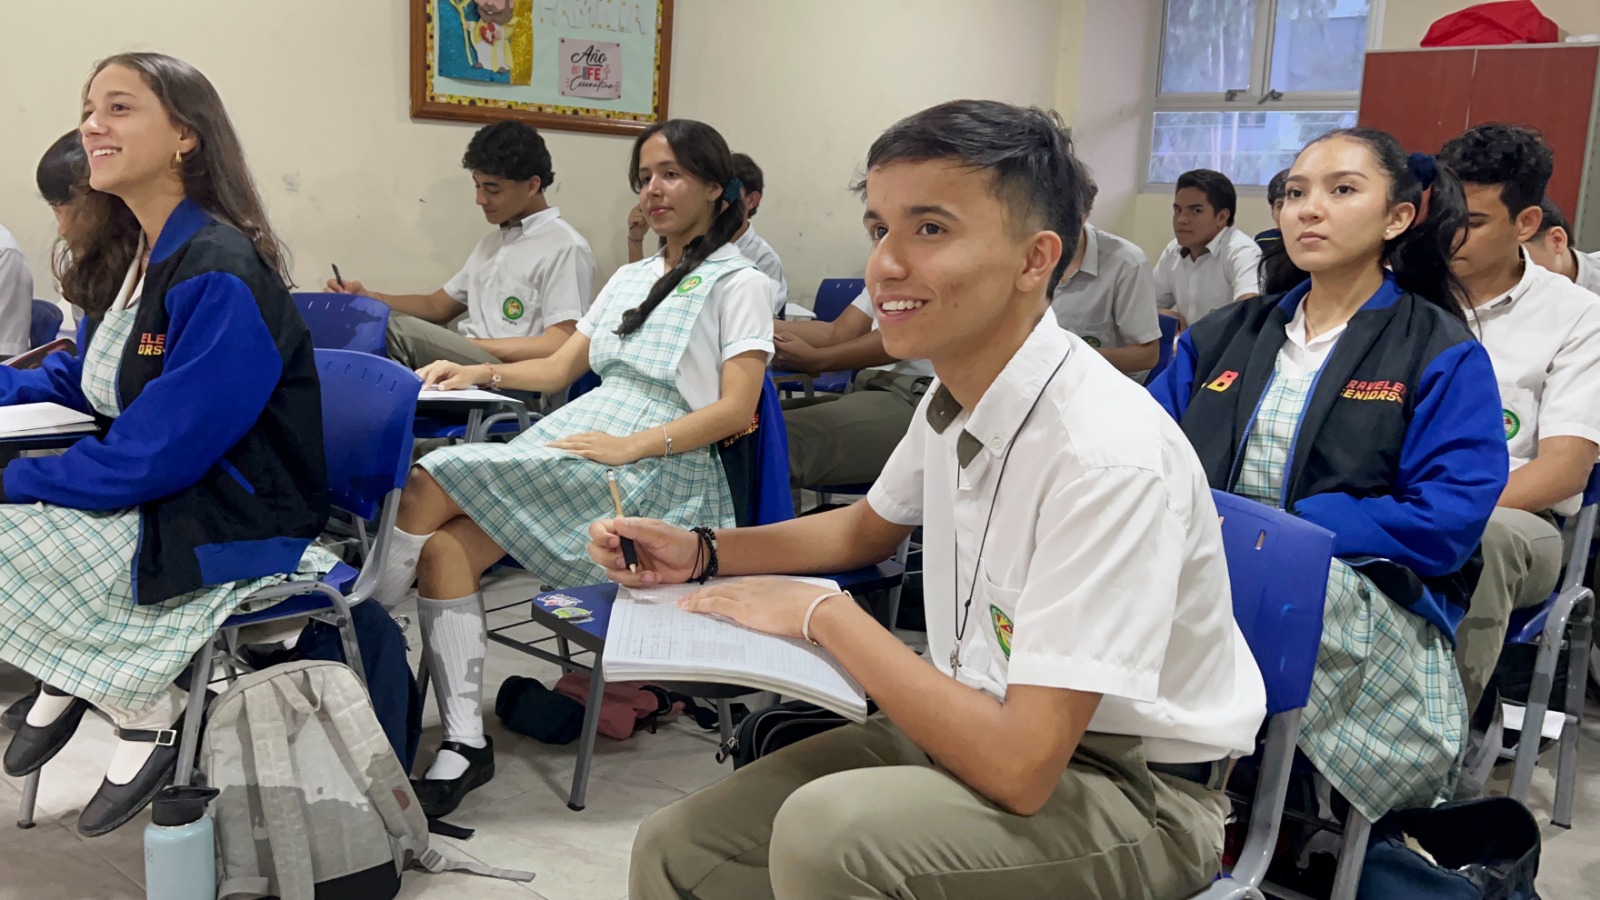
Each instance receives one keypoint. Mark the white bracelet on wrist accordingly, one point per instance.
(805, 625)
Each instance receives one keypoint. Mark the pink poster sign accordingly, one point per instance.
(590, 69)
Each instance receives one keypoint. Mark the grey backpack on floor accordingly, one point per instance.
(312, 801)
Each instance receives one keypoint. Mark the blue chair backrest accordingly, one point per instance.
(773, 500)
(45, 324)
(1278, 565)
(1591, 491)
(345, 322)
(834, 294)
(368, 403)
(1169, 335)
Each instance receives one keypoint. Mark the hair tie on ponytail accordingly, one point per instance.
(732, 191)
(1425, 168)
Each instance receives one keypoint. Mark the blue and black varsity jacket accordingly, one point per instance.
(1401, 452)
(219, 444)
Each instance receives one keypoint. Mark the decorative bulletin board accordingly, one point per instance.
(579, 65)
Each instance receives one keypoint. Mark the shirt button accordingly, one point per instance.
(996, 444)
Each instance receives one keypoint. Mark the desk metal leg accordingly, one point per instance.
(591, 724)
(30, 799)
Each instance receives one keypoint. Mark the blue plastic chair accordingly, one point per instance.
(1278, 565)
(367, 406)
(1564, 622)
(834, 295)
(45, 323)
(1169, 338)
(345, 322)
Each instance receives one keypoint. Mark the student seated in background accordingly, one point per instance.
(1543, 336)
(1067, 732)
(1273, 236)
(680, 341)
(1209, 263)
(1108, 298)
(122, 554)
(1551, 247)
(752, 245)
(63, 180)
(1367, 408)
(526, 284)
(842, 439)
(16, 296)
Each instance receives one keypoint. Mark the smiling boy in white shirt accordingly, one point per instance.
(1085, 680)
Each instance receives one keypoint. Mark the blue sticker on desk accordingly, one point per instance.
(558, 600)
(574, 614)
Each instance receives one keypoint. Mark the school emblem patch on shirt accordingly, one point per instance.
(1513, 423)
(1002, 629)
(512, 308)
(688, 284)
(1092, 341)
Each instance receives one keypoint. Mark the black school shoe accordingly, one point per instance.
(114, 804)
(440, 797)
(34, 745)
(16, 715)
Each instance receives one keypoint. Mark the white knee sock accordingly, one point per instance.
(455, 642)
(47, 707)
(130, 756)
(400, 569)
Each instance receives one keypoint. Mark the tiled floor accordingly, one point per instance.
(522, 817)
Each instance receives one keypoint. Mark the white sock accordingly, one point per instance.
(455, 642)
(400, 568)
(47, 708)
(130, 756)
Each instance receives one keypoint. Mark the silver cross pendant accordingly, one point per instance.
(955, 658)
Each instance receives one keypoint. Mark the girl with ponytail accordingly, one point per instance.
(1353, 395)
(680, 341)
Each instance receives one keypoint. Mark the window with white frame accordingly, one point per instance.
(1244, 84)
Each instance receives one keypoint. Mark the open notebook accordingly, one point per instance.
(33, 419)
(651, 638)
(466, 395)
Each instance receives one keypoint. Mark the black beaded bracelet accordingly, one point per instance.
(708, 543)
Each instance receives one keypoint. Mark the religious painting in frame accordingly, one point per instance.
(578, 65)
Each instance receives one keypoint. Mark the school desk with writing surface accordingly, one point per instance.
(589, 636)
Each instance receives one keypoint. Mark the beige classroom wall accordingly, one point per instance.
(319, 93)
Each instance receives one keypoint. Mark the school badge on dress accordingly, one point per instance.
(512, 309)
(688, 284)
(1002, 629)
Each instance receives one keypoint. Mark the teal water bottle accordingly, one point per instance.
(180, 854)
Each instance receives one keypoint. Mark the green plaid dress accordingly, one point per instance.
(1387, 713)
(538, 502)
(67, 613)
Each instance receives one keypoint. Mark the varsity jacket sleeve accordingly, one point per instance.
(222, 366)
(1175, 385)
(58, 380)
(1453, 467)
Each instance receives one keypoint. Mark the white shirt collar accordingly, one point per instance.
(1091, 252)
(994, 422)
(1529, 276)
(540, 219)
(1213, 247)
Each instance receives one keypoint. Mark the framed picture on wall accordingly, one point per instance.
(578, 65)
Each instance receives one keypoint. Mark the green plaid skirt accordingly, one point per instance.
(67, 612)
(537, 502)
(1387, 714)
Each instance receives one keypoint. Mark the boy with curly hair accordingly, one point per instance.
(526, 284)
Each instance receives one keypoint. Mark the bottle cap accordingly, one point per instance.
(176, 806)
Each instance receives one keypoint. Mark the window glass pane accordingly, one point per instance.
(1249, 147)
(1208, 46)
(1319, 45)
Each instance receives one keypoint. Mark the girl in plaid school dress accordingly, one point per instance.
(680, 341)
(1358, 399)
(122, 555)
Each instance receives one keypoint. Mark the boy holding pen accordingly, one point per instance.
(527, 282)
(1087, 681)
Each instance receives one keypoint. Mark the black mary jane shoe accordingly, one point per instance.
(114, 804)
(16, 715)
(440, 797)
(34, 745)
